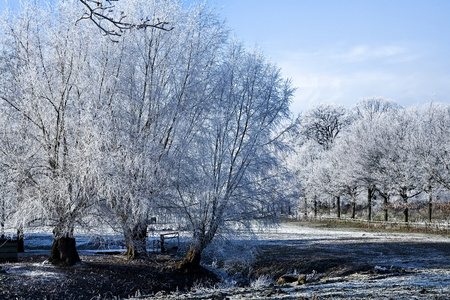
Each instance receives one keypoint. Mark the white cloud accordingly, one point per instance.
(361, 53)
(392, 72)
(349, 88)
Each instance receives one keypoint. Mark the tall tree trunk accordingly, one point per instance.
(315, 208)
(330, 205)
(353, 208)
(192, 259)
(306, 207)
(136, 241)
(64, 252)
(370, 192)
(353, 204)
(338, 204)
(20, 242)
(385, 206)
(430, 204)
(406, 210)
(201, 240)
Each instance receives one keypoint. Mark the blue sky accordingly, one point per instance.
(341, 51)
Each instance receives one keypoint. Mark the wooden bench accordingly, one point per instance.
(8, 250)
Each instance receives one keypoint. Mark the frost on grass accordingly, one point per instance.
(336, 264)
(343, 264)
(261, 281)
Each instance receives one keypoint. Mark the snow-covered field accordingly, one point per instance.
(337, 264)
(373, 265)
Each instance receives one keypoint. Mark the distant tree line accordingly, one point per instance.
(377, 154)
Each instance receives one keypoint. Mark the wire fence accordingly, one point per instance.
(431, 227)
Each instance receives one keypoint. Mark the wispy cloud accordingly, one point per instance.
(347, 75)
(362, 53)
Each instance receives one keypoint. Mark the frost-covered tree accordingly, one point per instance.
(371, 108)
(323, 123)
(346, 182)
(366, 137)
(294, 158)
(46, 94)
(318, 129)
(440, 132)
(398, 163)
(306, 155)
(15, 165)
(114, 21)
(324, 180)
(163, 81)
(431, 144)
(225, 177)
(388, 151)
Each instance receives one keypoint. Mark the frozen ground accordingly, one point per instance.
(404, 250)
(344, 264)
(337, 263)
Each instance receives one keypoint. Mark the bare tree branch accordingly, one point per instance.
(98, 12)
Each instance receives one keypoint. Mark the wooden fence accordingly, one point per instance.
(432, 227)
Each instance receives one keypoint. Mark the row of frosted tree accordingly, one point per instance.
(376, 154)
(99, 129)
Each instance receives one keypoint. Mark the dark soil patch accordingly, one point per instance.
(340, 258)
(278, 260)
(97, 277)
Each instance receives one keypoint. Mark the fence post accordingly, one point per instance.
(163, 249)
